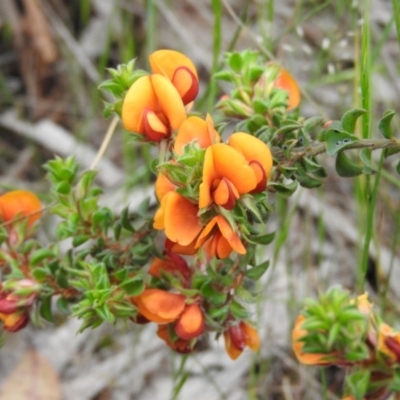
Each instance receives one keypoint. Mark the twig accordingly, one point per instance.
(106, 142)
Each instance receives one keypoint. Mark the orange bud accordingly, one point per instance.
(16, 321)
(286, 82)
(237, 337)
(20, 203)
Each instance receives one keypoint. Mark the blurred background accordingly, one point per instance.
(53, 56)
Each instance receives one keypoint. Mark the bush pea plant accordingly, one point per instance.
(213, 203)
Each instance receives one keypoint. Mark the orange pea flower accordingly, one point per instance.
(237, 337)
(20, 203)
(163, 307)
(232, 170)
(285, 81)
(155, 105)
(219, 239)
(196, 128)
(160, 306)
(179, 69)
(178, 216)
(305, 358)
(389, 342)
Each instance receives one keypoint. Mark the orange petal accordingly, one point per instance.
(168, 100)
(140, 95)
(159, 216)
(207, 232)
(186, 83)
(154, 128)
(165, 62)
(20, 203)
(231, 349)
(209, 175)
(305, 358)
(190, 323)
(251, 336)
(160, 306)
(261, 176)
(252, 148)
(163, 186)
(181, 222)
(231, 236)
(195, 128)
(286, 82)
(225, 194)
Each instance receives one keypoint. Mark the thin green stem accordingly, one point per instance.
(150, 26)
(396, 15)
(180, 377)
(369, 226)
(217, 47)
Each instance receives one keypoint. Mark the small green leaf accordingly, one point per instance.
(236, 62)
(333, 334)
(384, 124)
(125, 222)
(257, 272)
(238, 311)
(40, 255)
(338, 140)
(45, 309)
(349, 119)
(133, 286)
(63, 187)
(285, 190)
(262, 239)
(223, 76)
(347, 168)
(40, 274)
(213, 296)
(80, 239)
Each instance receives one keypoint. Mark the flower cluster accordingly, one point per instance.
(346, 332)
(207, 189)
